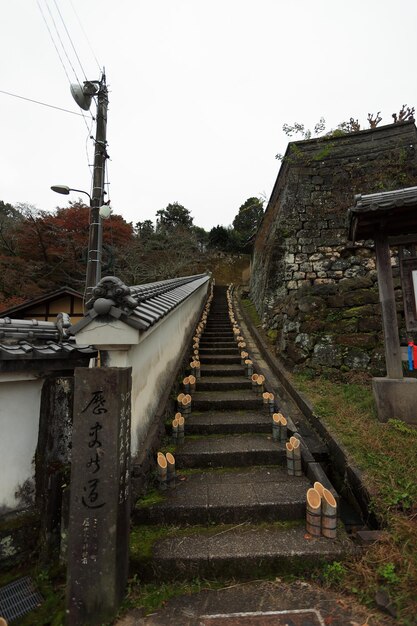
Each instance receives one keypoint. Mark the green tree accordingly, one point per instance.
(145, 229)
(172, 216)
(248, 219)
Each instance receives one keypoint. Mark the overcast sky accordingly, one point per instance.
(199, 91)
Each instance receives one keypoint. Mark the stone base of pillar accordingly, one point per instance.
(396, 398)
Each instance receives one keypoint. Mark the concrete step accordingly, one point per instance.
(224, 552)
(224, 369)
(226, 400)
(223, 383)
(223, 422)
(231, 349)
(256, 494)
(218, 344)
(219, 358)
(241, 450)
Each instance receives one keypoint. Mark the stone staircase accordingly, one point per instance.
(235, 513)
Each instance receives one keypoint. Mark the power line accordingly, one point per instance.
(53, 41)
(85, 35)
(51, 106)
(69, 37)
(61, 42)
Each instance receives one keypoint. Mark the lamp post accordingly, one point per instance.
(83, 96)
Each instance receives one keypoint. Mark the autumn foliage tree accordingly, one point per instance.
(42, 251)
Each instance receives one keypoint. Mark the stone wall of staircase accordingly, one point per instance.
(316, 292)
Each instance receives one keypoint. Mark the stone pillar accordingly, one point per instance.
(98, 535)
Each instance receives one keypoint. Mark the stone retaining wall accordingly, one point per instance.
(317, 293)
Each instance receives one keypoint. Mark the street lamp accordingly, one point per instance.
(94, 256)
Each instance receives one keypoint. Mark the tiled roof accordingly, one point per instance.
(33, 340)
(140, 306)
(395, 211)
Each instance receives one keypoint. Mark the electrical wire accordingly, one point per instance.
(69, 37)
(85, 35)
(53, 40)
(62, 43)
(51, 106)
(63, 47)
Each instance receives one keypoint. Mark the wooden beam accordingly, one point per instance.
(389, 312)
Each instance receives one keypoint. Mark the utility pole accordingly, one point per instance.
(95, 238)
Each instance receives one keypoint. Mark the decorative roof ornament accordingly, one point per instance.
(109, 292)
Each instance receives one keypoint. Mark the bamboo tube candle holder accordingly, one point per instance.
(254, 379)
(319, 487)
(186, 405)
(283, 431)
(276, 427)
(162, 471)
(186, 383)
(174, 429)
(197, 369)
(260, 384)
(290, 458)
(271, 403)
(249, 368)
(296, 452)
(313, 513)
(265, 399)
(180, 398)
(181, 430)
(192, 382)
(243, 356)
(328, 515)
(170, 460)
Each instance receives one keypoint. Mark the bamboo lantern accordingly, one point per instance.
(313, 513)
(243, 356)
(162, 471)
(271, 402)
(181, 430)
(180, 398)
(276, 427)
(196, 345)
(197, 370)
(328, 515)
(283, 430)
(170, 470)
(290, 458)
(192, 381)
(260, 385)
(265, 398)
(249, 368)
(174, 429)
(319, 487)
(254, 379)
(296, 451)
(241, 345)
(186, 383)
(186, 404)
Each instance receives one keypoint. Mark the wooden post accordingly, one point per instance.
(389, 311)
(99, 518)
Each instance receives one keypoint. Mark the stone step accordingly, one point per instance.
(217, 334)
(225, 400)
(223, 422)
(225, 552)
(219, 358)
(256, 494)
(215, 343)
(221, 370)
(240, 450)
(223, 383)
(232, 349)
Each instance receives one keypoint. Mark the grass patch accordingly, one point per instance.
(150, 596)
(51, 584)
(387, 455)
(251, 311)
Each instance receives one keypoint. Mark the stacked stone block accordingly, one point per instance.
(318, 291)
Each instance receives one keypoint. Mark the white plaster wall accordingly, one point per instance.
(153, 360)
(19, 425)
